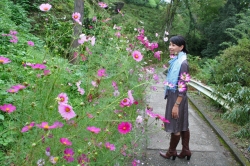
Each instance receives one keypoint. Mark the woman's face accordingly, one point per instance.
(174, 49)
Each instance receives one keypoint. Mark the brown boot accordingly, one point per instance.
(185, 136)
(174, 140)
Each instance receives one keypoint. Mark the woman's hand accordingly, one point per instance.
(175, 112)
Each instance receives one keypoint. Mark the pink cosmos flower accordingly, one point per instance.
(185, 77)
(53, 159)
(131, 98)
(65, 141)
(83, 38)
(181, 86)
(68, 154)
(162, 118)
(13, 32)
(76, 16)
(156, 78)
(116, 93)
(135, 162)
(45, 7)
(158, 55)
(172, 56)
(114, 84)
(110, 146)
(16, 88)
(62, 98)
(118, 34)
(94, 84)
(167, 84)
(150, 113)
(30, 43)
(7, 108)
(153, 88)
(139, 119)
(45, 125)
(125, 102)
(4, 60)
(94, 19)
(83, 160)
(137, 55)
(28, 127)
(101, 73)
(92, 39)
(94, 129)
(124, 127)
(47, 151)
(66, 111)
(102, 4)
(38, 66)
(46, 72)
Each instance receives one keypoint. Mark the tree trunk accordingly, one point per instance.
(79, 8)
(171, 11)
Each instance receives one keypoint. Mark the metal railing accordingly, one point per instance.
(208, 92)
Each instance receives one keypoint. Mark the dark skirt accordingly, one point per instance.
(180, 124)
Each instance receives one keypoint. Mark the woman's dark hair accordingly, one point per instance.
(179, 41)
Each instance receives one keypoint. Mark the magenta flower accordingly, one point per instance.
(83, 160)
(45, 7)
(172, 56)
(185, 77)
(101, 73)
(30, 43)
(158, 55)
(76, 16)
(150, 113)
(66, 111)
(181, 86)
(16, 88)
(137, 55)
(45, 125)
(38, 66)
(110, 146)
(124, 127)
(135, 162)
(102, 4)
(62, 98)
(114, 84)
(47, 151)
(13, 32)
(65, 141)
(68, 154)
(162, 118)
(94, 129)
(125, 102)
(7, 108)
(28, 127)
(4, 60)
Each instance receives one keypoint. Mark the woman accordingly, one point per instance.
(177, 102)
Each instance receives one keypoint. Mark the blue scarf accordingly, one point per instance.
(174, 70)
